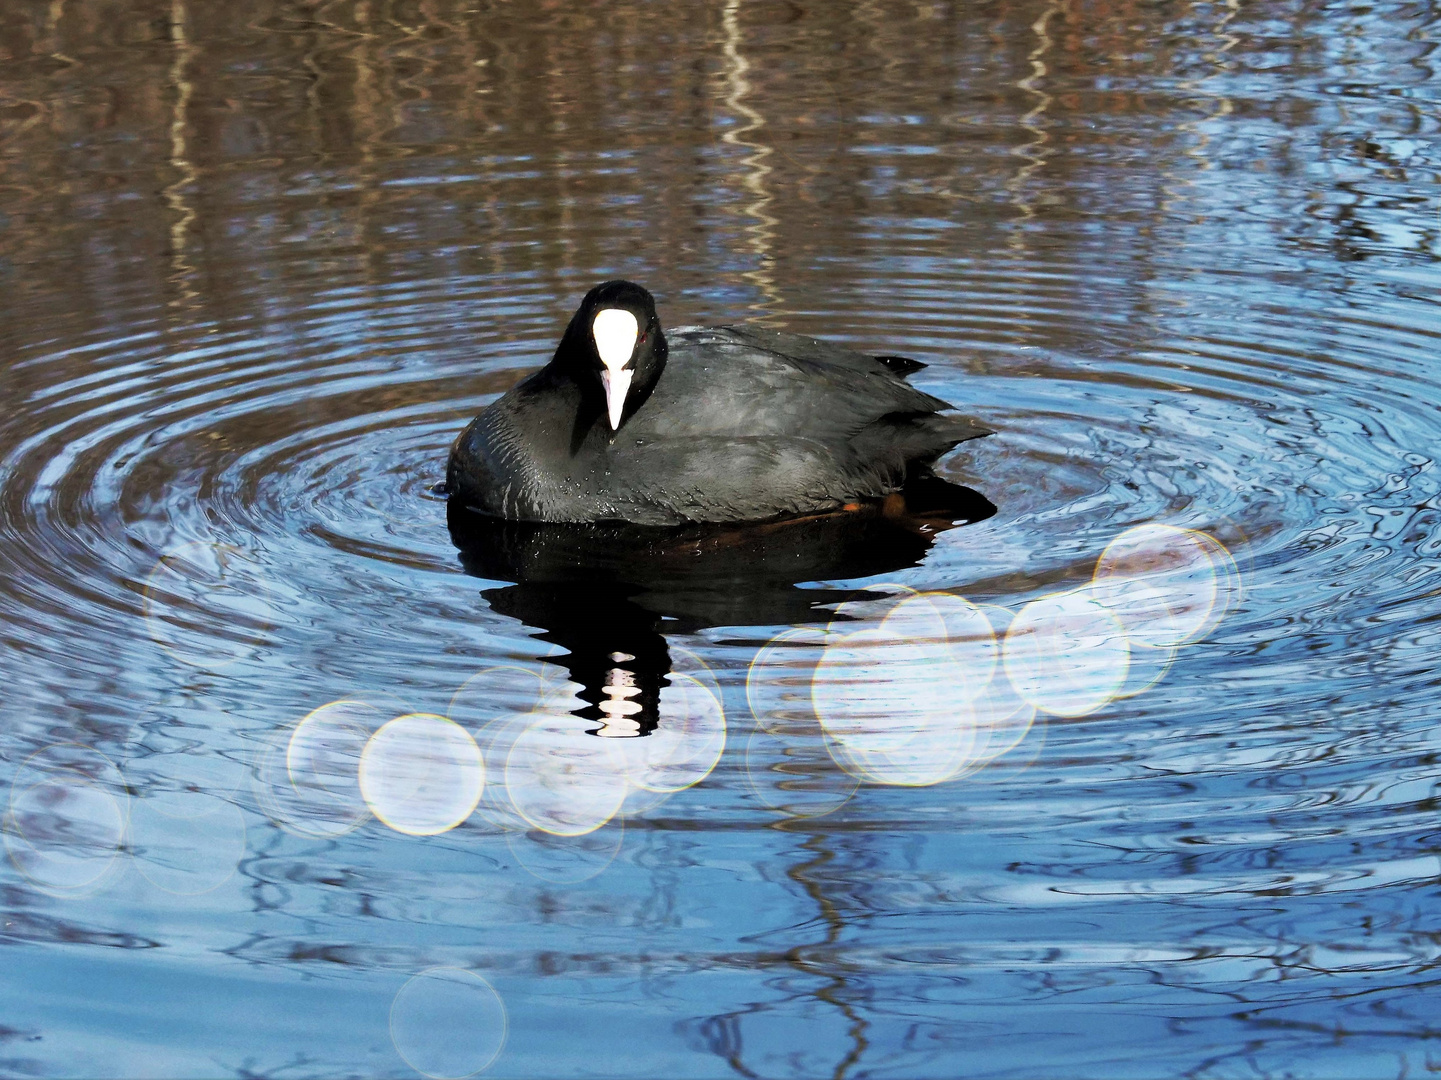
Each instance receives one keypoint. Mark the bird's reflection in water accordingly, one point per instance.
(609, 594)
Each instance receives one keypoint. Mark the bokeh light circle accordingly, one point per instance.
(915, 688)
(791, 771)
(448, 1023)
(778, 681)
(508, 690)
(686, 744)
(561, 780)
(421, 774)
(68, 816)
(640, 801)
(1163, 583)
(566, 860)
(323, 752)
(66, 831)
(890, 698)
(1002, 717)
(315, 780)
(686, 662)
(1067, 654)
(966, 632)
(1229, 584)
(1145, 668)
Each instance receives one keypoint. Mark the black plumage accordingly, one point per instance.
(724, 424)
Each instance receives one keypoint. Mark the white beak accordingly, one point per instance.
(617, 384)
(615, 331)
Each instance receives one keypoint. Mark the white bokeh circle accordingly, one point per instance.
(421, 774)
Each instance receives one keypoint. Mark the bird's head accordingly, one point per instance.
(616, 337)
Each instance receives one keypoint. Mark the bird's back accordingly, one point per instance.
(749, 382)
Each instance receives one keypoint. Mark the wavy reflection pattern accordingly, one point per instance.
(911, 689)
(531, 766)
(919, 688)
(908, 689)
(72, 823)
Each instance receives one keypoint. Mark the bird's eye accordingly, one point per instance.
(640, 340)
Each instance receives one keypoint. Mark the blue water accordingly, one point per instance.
(261, 263)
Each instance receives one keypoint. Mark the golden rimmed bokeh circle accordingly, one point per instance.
(1163, 583)
(1067, 654)
(421, 774)
(778, 681)
(893, 698)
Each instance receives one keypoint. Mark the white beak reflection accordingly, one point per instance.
(686, 744)
(619, 706)
(561, 781)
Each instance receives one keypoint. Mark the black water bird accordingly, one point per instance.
(726, 424)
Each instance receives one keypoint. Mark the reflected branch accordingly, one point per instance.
(1222, 106)
(805, 875)
(1034, 152)
(52, 18)
(182, 270)
(761, 232)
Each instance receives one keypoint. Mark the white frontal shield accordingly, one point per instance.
(615, 331)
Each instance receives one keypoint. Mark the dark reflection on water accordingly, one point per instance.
(260, 262)
(609, 593)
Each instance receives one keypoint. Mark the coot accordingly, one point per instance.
(722, 424)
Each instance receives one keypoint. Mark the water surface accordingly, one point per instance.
(260, 264)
